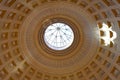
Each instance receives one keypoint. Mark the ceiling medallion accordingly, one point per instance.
(58, 36)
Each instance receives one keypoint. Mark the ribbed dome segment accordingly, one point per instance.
(25, 42)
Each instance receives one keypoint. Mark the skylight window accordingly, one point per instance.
(58, 36)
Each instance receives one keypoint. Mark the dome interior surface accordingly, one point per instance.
(93, 55)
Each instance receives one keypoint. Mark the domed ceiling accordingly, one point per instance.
(59, 39)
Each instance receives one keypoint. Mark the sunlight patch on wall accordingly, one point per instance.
(107, 35)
